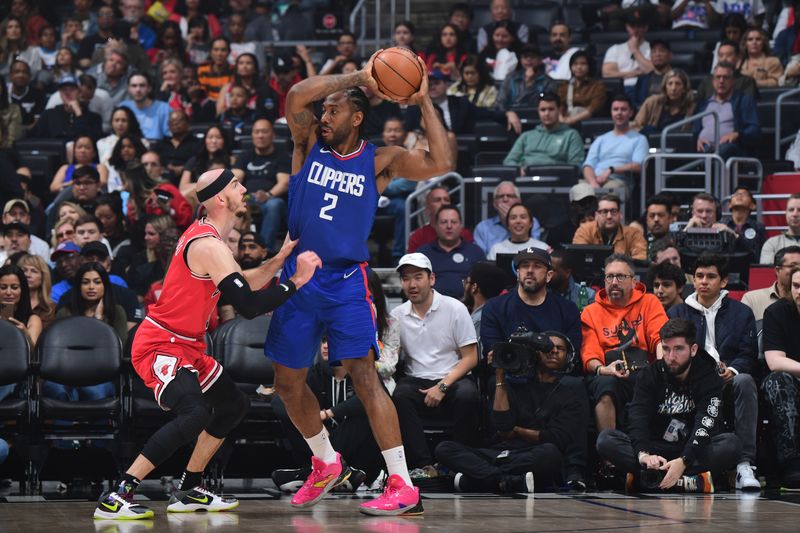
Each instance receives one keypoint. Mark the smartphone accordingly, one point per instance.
(7, 311)
(163, 196)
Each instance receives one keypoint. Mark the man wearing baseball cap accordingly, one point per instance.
(16, 238)
(67, 258)
(440, 346)
(70, 119)
(17, 210)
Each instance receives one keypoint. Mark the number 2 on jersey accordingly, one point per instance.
(323, 212)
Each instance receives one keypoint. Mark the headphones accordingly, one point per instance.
(572, 354)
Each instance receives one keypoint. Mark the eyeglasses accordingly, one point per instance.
(83, 183)
(610, 278)
(606, 212)
(63, 234)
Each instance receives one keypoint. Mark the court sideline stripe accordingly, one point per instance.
(634, 511)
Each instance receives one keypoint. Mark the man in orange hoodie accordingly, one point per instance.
(621, 313)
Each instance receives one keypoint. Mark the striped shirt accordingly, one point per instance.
(212, 80)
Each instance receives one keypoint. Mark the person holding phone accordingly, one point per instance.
(15, 303)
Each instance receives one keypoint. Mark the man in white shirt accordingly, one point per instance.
(439, 347)
(630, 59)
(791, 237)
(18, 210)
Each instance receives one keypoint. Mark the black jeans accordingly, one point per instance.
(352, 437)
(720, 454)
(484, 465)
(460, 405)
(782, 391)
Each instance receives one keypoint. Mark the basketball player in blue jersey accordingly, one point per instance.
(337, 178)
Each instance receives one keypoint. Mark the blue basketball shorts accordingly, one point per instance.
(336, 303)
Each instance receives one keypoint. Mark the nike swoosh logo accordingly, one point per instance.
(113, 508)
(198, 500)
(350, 274)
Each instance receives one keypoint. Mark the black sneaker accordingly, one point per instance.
(465, 483)
(290, 479)
(199, 499)
(790, 480)
(521, 483)
(115, 506)
(351, 484)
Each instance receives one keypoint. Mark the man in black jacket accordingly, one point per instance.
(727, 330)
(540, 419)
(674, 419)
(70, 119)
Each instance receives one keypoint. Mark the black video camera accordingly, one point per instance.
(519, 356)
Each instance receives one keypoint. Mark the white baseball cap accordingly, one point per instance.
(416, 259)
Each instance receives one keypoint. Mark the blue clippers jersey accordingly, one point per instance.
(332, 202)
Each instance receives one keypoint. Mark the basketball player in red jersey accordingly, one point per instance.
(168, 350)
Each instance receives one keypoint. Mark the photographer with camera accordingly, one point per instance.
(538, 411)
(620, 335)
(674, 421)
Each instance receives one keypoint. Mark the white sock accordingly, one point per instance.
(396, 463)
(321, 446)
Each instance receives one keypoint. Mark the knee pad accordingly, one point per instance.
(227, 415)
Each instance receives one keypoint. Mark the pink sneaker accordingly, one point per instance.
(323, 477)
(397, 499)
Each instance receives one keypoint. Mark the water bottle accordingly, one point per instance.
(583, 296)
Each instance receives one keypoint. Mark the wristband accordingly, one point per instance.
(597, 370)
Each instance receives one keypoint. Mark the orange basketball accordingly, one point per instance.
(397, 72)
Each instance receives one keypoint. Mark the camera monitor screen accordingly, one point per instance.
(587, 261)
(504, 262)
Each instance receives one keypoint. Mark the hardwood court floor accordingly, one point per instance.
(606, 512)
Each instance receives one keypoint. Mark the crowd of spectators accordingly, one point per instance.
(144, 100)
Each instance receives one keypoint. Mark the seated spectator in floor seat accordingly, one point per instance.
(667, 281)
(493, 230)
(519, 222)
(484, 282)
(739, 128)
(344, 416)
(782, 386)
(439, 349)
(674, 102)
(93, 297)
(728, 330)
(549, 143)
(437, 196)
(563, 283)
(607, 228)
(759, 299)
(616, 155)
(791, 237)
(16, 304)
(450, 255)
(674, 437)
(540, 414)
(622, 317)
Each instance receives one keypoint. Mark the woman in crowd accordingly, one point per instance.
(84, 153)
(15, 300)
(14, 45)
(404, 35)
(519, 221)
(63, 230)
(129, 148)
(186, 10)
(674, 103)
(198, 41)
(169, 44)
(476, 83)
(216, 72)
(37, 274)
(447, 53)
(500, 54)
(216, 149)
(153, 196)
(583, 96)
(247, 75)
(758, 61)
(147, 266)
(10, 119)
(92, 297)
(69, 211)
(171, 90)
(108, 212)
(388, 332)
(733, 27)
(123, 122)
(153, 229)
